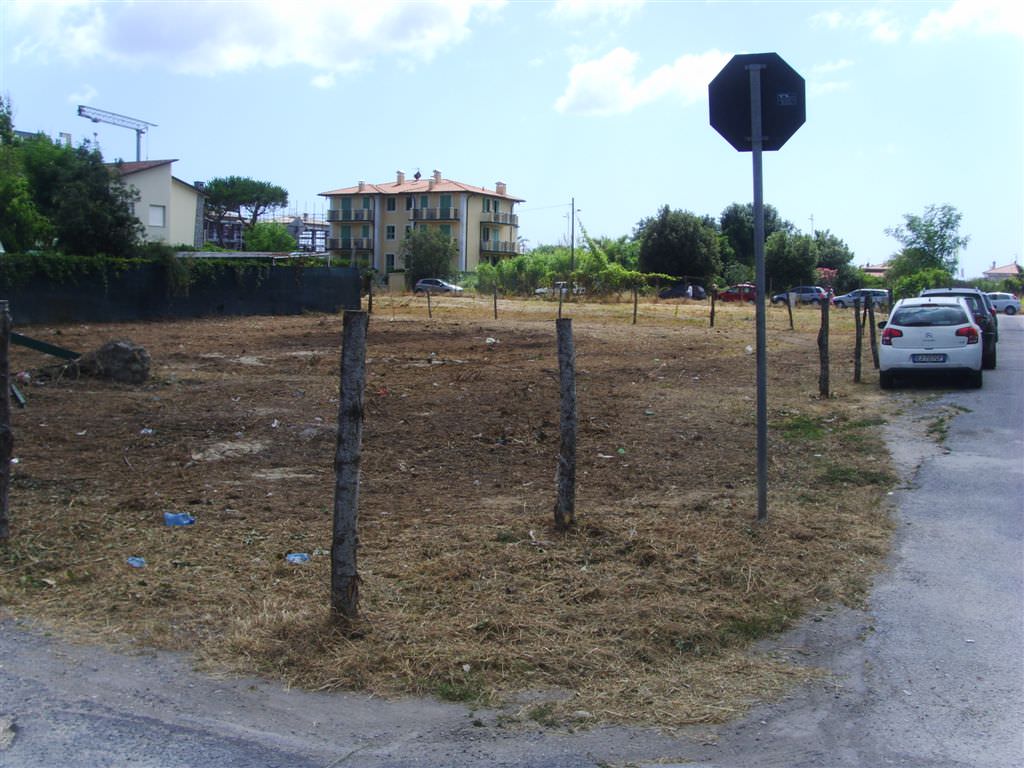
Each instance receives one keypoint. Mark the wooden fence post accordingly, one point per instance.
(6, 436)
(714, 298)
(789, 309)
(872, 332)
(824, 385)
(495, 301)
(345, 538)
(636, 300)
(858, 343)
(565, 475)
(430, 312)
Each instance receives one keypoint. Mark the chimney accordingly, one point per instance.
(401, 177)
(437, 176)
(362, 186)
(500, 188)
(431, 181)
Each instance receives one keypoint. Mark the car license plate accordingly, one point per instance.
(928, 358)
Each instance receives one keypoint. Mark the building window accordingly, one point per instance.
(389, 232)
(157, 216)
(367, 204)
(446, 230)
(391, 204)
(408, 203)
(389, 261)
(408, 229)
(424, 201)
(487, 234)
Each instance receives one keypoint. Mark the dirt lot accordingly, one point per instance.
(645, 612)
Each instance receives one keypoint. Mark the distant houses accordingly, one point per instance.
(169, 209)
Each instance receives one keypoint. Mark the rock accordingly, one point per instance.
(119, 360)
(6, 731)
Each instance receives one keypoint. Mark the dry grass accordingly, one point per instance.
(645, 612)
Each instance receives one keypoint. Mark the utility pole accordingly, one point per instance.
(102, 116)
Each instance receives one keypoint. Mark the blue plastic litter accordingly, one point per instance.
(136, 562)
(178, 518)
(297, 557)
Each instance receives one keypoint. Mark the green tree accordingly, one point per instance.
(246, 198)
(789, 260)
(934, 238)
(89, 208)
(22, 227)
(428, 252)
(736, 223)
(678, 243)
(913, 284)
(911, 261)
(269, 236)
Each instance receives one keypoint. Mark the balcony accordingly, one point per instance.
(498, 246)
(493, 217)
(350, 244)
(435, 214)
(354, 214)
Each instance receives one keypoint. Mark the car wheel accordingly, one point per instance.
(1010, 310)
(885, 379)
(988, 359)
(974, 379)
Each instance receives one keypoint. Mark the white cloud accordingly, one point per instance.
(822, 80)
(609, 86)
(986, 17)
(84, 95)
(605, 11)
(879, 23)
(212, 37)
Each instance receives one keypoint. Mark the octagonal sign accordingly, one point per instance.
(782, 101)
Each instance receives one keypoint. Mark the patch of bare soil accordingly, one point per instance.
(645, 612)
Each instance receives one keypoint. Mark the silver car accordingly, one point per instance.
(1005, 302)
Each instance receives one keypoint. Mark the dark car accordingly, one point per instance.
(805, 294)
(683, 291)
(984, 315)
(740, 292)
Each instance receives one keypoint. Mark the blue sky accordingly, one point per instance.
(908, 103)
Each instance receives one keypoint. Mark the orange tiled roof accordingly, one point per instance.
(1008, 269)
(418, 187)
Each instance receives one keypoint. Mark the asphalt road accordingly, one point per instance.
(932, 674)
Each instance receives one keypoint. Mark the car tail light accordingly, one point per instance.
(889, 334)
(970, 332)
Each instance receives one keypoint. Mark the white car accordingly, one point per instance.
(434, 285)
(1005, 302)
(930, 335)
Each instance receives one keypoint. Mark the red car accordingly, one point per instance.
(741, 292)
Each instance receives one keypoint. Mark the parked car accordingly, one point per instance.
(929, 335)
(739, 292)
(1005, 302)
(984, 316)
(879, 297)
(435, 285)
(683, 291)
(805, 294)
(559, 287)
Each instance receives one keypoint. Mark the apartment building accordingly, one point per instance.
(369, 221)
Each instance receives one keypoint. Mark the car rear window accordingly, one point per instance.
(932, 314)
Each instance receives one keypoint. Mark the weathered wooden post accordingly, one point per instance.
(565, 475)
(430, 312)
(872, 331)
(824, 385)
(345, 538)
(789, 309)
(636, 300)
(495, 301)
(858, 341)
(714, 298)
(6, 436)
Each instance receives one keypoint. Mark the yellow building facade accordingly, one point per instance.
(369, 221)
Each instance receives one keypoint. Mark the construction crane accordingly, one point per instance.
(102, 116)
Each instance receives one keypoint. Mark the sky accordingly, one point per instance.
(601, 105)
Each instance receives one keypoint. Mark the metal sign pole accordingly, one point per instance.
(762, 356)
